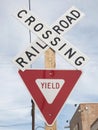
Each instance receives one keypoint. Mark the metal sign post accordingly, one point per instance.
(33, 105)
(33, 115)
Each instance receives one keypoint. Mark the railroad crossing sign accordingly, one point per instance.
(50, 89)
(50, 37)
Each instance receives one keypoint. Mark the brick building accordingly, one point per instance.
(94, 126)
(84, 117)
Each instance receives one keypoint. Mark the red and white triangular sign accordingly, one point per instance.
(50, 89)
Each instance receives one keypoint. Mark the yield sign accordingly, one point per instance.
(50, 89)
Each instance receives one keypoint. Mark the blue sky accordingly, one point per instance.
(15, 100)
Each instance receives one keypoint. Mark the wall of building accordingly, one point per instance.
(76, 120)
(85, 115)
(94, 126)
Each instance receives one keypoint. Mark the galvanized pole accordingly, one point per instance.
(33, 114)
(33, 105)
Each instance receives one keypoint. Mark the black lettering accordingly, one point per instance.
(56, 39)
(70, 19)
(38, 27)
(35, 49)
(43, 47)
(22, 11)
(64, 24)
(57, 29)
(78, 60)
(30, 20)
(29, 55)
(47, 34)
(62, 47)
(75, 13)
(21, 61)
(70, 53)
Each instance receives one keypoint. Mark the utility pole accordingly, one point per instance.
(50, 63)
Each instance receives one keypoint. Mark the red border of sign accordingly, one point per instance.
(50, 111)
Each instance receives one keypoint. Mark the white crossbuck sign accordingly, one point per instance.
(50, 37)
